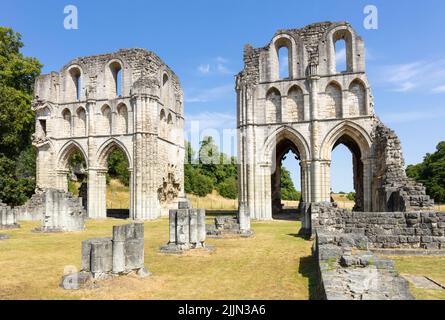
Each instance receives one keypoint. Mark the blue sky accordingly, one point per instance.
(202, 41)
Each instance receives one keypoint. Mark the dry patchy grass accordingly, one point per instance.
(275, 264)
(432, 267)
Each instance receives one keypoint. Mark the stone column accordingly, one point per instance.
(97, 188)
(367, 185)
(119, 237)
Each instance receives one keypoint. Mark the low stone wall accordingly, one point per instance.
(347, 271)
(33, 209)
(405, 230)
(226, 225)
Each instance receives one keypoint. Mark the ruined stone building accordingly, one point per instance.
(130, 100)
(311, 110)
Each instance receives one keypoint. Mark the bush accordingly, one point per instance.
(229, 188)
(202, 185)
(351, 196)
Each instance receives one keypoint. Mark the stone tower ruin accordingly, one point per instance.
(130, 100)
(312, 110)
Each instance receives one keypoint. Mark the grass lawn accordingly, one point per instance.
(275, 264)
(432, 267)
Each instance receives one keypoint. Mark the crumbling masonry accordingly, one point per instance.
(129, 100)
(310, 111)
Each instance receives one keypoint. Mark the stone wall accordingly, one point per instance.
(63, 212)
(392, 189)
(404, 230)
(347, 271)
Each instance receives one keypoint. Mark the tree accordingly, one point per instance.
(118, 167)
(288, 191)
(229, 188)
(431, 173)
(17, 76)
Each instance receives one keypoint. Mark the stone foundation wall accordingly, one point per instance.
(347, 271)
(412, 230)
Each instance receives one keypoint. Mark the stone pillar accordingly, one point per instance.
(367, 185)
(119, 237)
(97, 188)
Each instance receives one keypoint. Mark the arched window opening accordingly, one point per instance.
(170, 119)
(80, 123)
(342, 41)
(286, 182)
(333, 105)
(118, 184)
(273, 106)
(283, 63)
(295, 104)
(347, 184)
(106, 119)
(122, 119)
(66, 126)
(74, 85)
(165, 89)
(340, 56)
(115, 80)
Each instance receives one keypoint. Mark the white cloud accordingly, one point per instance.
(217, 66)
(211, 120)
(204, 68)
(439, 89)
(211, 94)
(341, 56)
(423, 75)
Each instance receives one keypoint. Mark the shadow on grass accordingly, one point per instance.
(309, 269)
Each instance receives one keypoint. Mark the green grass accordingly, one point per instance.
(275, 264)
(433, 267)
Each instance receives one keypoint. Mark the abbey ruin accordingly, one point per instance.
(129, 100)
(311, 112)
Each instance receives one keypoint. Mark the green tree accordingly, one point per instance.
(118, 167)
(17, 76)
(431, 173)
(288, 191)
(229, 188)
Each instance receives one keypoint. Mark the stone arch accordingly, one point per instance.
(278, 144)
(273, 106)
(333, 101)
(286, 133)
(43, 115)
(169, 119)
(358, 141)
(357, 100)
(354, 47)
(347, 128)
(296, 56)
(107, 148)
(113, 78)
(67, 151)
(106, 119)
(66, 122)
(80, 122)
(122, 119)
(295, 104)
